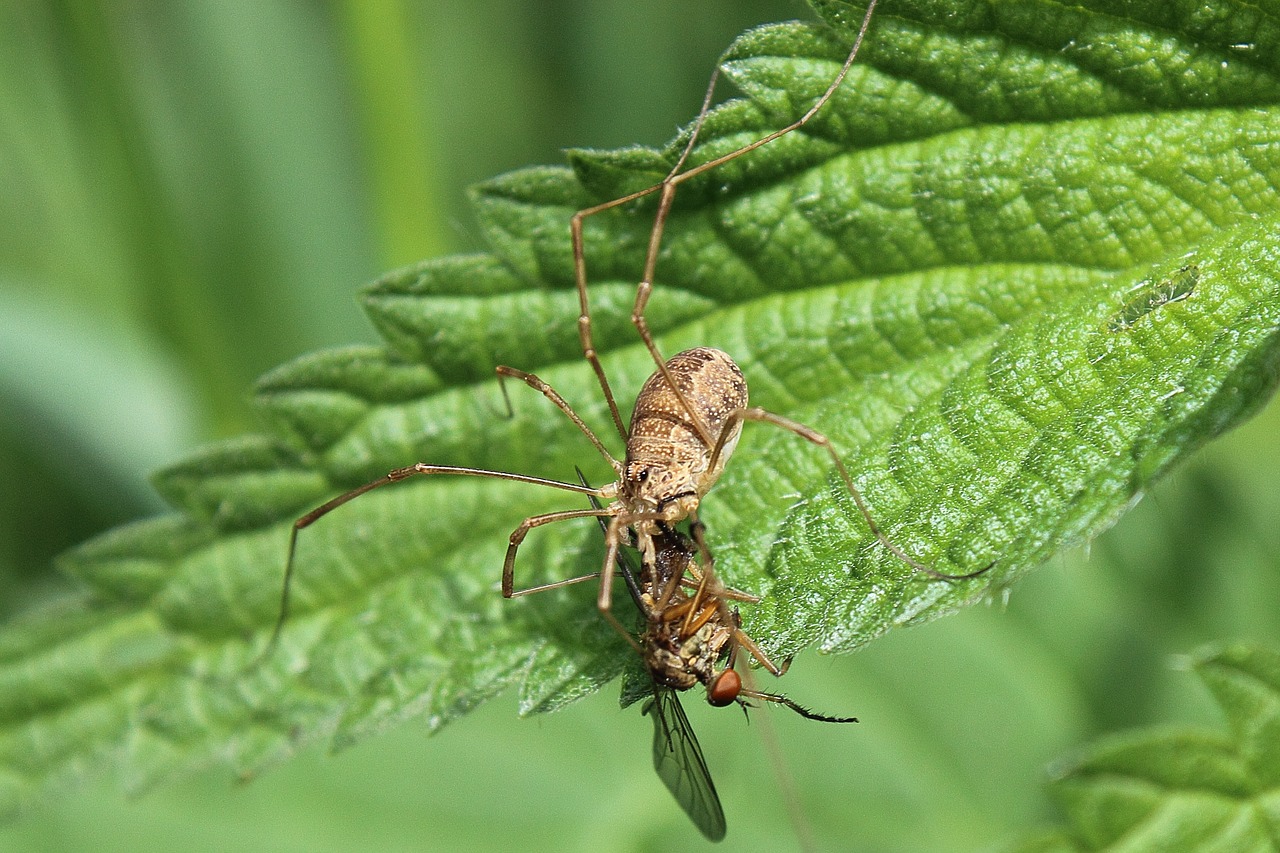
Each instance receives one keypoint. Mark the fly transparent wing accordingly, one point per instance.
(678, 760)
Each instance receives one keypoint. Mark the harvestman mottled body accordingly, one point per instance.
(684, 427)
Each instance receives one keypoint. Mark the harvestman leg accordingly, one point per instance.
(424, 469)
(697, 531)
(545, 389)
(668, 188)
(755, 413)
(517, 536)
(613, 532)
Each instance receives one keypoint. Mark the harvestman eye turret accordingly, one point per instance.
(684, 427)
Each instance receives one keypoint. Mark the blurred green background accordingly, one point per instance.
(191, 192)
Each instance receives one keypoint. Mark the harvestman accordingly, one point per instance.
(684, 427)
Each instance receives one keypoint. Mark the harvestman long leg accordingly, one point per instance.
(545, 389)
(424, 469)
(755, 413)
(668, 187)
(517, 537)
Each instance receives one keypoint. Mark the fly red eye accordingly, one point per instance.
(724, 688)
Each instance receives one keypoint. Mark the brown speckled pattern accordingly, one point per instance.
(660, 428)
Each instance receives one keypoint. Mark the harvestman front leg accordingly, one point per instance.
(395, 476)
(545, 389)
(620, 517)
(755, 413)
(517, 537)
(614, 534)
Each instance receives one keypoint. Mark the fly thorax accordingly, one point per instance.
(702, 650)
(665, 664)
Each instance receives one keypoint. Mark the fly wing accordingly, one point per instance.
(678, 760)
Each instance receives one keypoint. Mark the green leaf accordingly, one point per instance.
(1181, 788)
(1023, 264)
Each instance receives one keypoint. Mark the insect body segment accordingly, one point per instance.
(692, 635)
(669, 468)
(685, 636)
(666, 453)
(667, 433)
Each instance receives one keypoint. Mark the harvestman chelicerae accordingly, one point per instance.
(684, 427)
